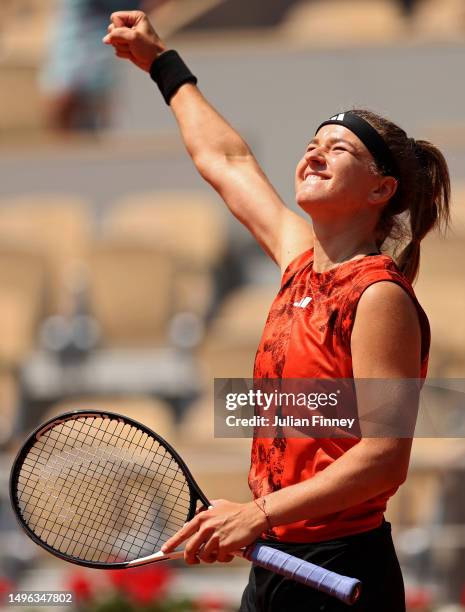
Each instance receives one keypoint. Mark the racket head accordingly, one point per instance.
(72, 468)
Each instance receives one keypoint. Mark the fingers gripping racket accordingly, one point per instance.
(99, 489)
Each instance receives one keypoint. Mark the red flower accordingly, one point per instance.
(6, 586)
(80, 586)
(418, 598)
(142, 584)
(210, 603)
(118, 578)
(462, 596)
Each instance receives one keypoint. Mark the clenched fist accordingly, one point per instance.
(133, 37)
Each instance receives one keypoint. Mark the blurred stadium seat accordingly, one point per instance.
(22, 292)
(152, 412)
(8, 406)
(344, 22)
(231, 342)
(366, 22)
(22, 289)
(23, 38)
(130, 293)
(57, 227)
(188, 226)
(415, 504)
(443, 20)
(24, 27)
(20, 100)
(442, 274)
(458, 209)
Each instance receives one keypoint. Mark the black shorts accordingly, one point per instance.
(369, 556)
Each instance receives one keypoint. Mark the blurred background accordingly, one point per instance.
(125, 285)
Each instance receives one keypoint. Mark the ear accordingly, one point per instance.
(384, 190)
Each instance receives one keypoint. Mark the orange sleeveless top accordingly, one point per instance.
(307, 335)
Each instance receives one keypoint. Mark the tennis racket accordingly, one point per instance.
(101, 490)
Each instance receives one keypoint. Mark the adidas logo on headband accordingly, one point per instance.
(339, 117)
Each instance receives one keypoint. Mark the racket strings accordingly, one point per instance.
(53, 468)
(85, 523)
(102, 490)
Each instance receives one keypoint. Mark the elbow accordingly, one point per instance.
(389, 459)
(395, 470)
(223, 151)
(214, 167)
(398, 476)
(205, 165)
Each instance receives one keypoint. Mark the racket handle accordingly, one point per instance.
(344, 588)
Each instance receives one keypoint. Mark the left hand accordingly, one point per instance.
(217, 532)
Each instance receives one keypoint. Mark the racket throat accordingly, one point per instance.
(158, 556)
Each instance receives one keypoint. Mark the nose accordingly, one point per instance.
(315, 157)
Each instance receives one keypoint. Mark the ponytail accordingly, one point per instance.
(409, 260)
(422, 200)
(430, 208)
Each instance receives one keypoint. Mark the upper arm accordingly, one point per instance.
(254, 202)
(386, 337)
(386, 345)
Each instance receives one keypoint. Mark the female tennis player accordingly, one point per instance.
(345, 309)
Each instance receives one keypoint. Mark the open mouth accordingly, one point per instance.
(314, 178)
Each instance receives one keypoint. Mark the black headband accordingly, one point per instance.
(370, 138)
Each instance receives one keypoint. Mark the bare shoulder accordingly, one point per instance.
(387, 301)
(386, 336)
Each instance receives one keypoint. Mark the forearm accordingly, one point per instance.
(366, 470)
(369, 468)
(206, 134)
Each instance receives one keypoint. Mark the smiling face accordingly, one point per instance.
(337, 174)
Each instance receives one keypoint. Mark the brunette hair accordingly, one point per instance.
(422, 200)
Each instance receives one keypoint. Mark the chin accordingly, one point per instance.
(309, 202)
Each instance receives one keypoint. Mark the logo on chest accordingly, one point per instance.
(303, 303)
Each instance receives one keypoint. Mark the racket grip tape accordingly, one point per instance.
(342, 587)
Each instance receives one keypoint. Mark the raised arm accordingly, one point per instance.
(219, 153)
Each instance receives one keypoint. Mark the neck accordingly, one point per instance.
(333, 246)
